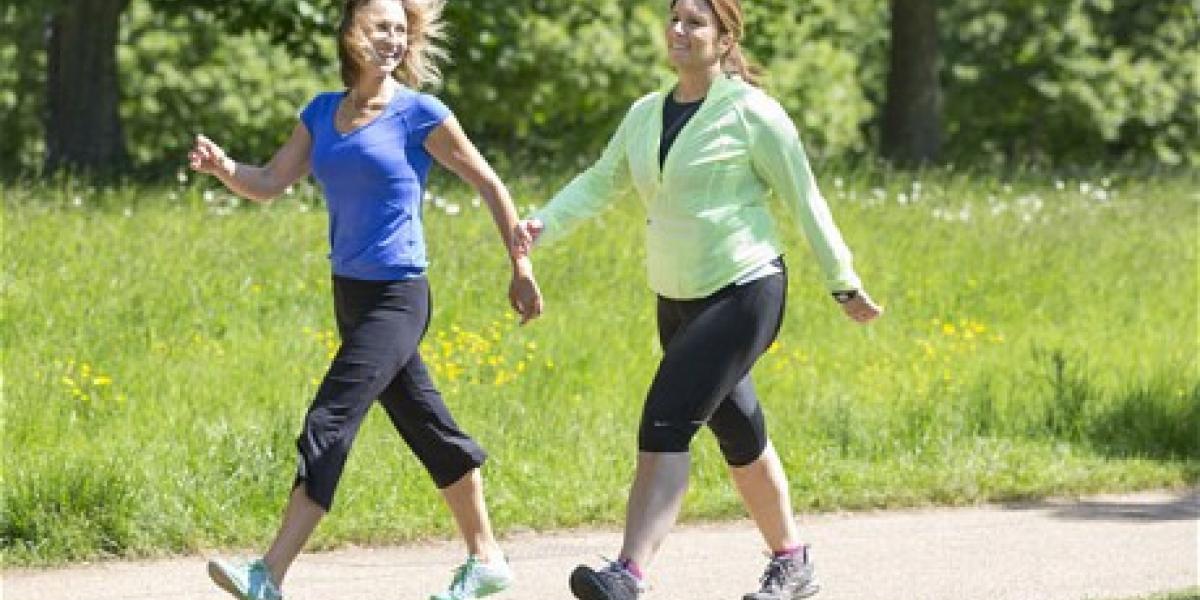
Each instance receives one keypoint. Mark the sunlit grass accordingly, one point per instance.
(161, 347)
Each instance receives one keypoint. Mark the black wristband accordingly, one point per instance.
(845, 296)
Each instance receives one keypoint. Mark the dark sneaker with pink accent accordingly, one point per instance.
(613, 582)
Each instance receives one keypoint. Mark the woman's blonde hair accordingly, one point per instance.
(426, 31)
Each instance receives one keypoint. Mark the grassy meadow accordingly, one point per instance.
(161, 346)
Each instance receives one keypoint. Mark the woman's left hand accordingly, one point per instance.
(523, 292)
(862, 308)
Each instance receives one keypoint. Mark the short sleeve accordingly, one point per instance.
(427, 113)
(312, 112)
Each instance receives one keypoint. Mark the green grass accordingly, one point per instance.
(1187, 594)
(160, 350)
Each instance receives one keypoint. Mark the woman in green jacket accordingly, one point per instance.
(704, 156)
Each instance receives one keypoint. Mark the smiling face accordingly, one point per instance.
(694, 37)
(384, 26)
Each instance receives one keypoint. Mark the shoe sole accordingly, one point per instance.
(807, 591)
(586, 586)
(218, 576)
(492, 588)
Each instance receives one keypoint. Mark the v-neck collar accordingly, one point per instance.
(385, 111)
(721, 87)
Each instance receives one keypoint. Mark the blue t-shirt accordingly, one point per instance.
(374, 179)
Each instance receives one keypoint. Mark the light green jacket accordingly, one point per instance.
(707, 221)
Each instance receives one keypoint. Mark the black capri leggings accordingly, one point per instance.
(381, 324)
(709, 346)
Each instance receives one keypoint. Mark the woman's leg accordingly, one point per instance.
(380, 325)
(709, 346)
(465, 500)
(764, 489)
(452, 459)
(449, 455)
(659, 484)
(300, 518)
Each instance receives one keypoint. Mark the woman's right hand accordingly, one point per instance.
(207, 157)
(525, 234)
(862, 308)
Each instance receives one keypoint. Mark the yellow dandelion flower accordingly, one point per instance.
(948, 328)
(102, 380)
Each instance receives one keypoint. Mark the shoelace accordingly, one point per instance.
(615, 567)
(776, 573)
(611, 566)
(264, 578)
(459, 583)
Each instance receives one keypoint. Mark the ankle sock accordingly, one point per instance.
(632, 567)
(798, 550)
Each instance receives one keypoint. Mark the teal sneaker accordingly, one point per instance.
(476, 579)
(250, 581)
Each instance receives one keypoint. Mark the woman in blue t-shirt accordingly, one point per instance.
(370, 148)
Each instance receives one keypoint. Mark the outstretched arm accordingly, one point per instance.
(779, 158)
(260, 184)
(453, 150)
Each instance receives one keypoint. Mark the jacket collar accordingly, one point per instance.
(725, 85)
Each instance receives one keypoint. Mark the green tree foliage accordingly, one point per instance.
(826, 63)
(185, 75)
(547, 75)
(1048, 80)
(21, 84)
(1073, 79)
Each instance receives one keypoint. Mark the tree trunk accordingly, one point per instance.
(912, 114)
(83, 125)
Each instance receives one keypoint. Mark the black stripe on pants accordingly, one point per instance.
(709, 346)
(381, 324)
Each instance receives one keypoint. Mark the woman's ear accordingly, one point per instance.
(726, 43)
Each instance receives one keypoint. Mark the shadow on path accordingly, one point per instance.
(1182, 506)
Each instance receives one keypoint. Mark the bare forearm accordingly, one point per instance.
(249, 181)
(500, 203)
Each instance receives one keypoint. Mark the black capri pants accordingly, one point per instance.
(709, 345)
(381, 324)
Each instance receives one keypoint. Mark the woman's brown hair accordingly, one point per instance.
(425, 29)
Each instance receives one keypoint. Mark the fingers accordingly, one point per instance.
(535, 309)
(526, 299)
(862, 309)
(530, 308)
(522, 243)
(205, 155)
(525, 234)
(535, 229)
